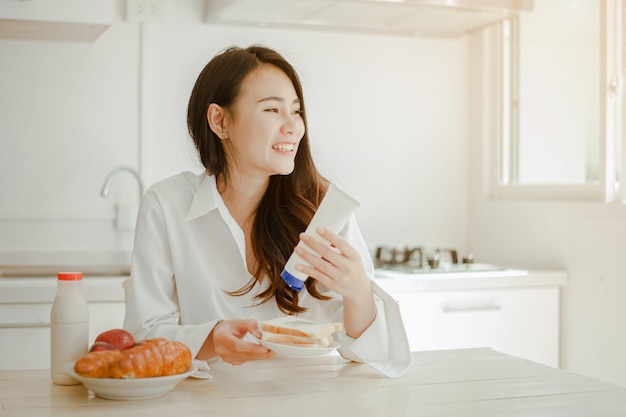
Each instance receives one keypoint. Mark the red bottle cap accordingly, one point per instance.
(70, 276)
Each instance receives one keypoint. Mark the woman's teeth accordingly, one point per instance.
(283, 147)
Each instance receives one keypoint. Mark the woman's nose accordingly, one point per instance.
(290, 125)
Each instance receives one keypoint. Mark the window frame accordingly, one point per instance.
(612, 146)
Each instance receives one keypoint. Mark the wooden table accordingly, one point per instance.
(469, 382)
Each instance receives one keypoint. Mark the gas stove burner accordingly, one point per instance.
(416, 257)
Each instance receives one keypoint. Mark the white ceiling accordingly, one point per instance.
(439, 18)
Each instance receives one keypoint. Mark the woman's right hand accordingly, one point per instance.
(226, 341)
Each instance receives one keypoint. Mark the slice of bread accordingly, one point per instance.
(292, 330)
(288, 339)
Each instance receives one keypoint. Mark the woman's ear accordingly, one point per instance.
(216, 116)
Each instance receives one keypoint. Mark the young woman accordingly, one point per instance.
(210, 247)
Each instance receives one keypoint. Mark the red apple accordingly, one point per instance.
(102, 346)
(119, 338)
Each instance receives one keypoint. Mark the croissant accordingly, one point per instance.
(154, 357)
(96, 364)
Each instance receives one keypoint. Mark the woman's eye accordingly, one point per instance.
(276, 110)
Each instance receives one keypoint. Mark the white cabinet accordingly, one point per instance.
(25, 305)
(519, 320)
(63, 20)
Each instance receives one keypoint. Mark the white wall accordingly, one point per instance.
(384, 119)
(68, 115)
(586, 239)
(387, 119)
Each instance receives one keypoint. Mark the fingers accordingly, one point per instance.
(242, 327)
(337, 241)
(230, 346)
(246, 352)
(249, 326)
(338, 266)
(338, 245)
(318, 251)
(323, 257)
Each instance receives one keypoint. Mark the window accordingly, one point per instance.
(559, 78)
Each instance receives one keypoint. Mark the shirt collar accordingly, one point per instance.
(205, 199)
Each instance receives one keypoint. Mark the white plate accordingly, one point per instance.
(131, 388)
(297, 351)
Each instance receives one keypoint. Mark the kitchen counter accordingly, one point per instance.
(25, 305)
(43, 290)
(51, 271)
(468, 280)
(467, 382)
(47, 264)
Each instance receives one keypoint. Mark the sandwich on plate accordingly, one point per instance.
(294, 331)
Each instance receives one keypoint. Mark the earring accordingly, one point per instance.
(224, 134)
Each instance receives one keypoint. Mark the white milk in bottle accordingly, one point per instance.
(69, 326)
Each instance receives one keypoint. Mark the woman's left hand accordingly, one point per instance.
(338, 266)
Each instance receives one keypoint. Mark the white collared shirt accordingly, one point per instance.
(189, 252)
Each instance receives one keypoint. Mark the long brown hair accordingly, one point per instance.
(290, 200)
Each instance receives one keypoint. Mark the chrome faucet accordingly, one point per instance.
(107, 183)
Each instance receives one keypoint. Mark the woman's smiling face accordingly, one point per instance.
(265, 125)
